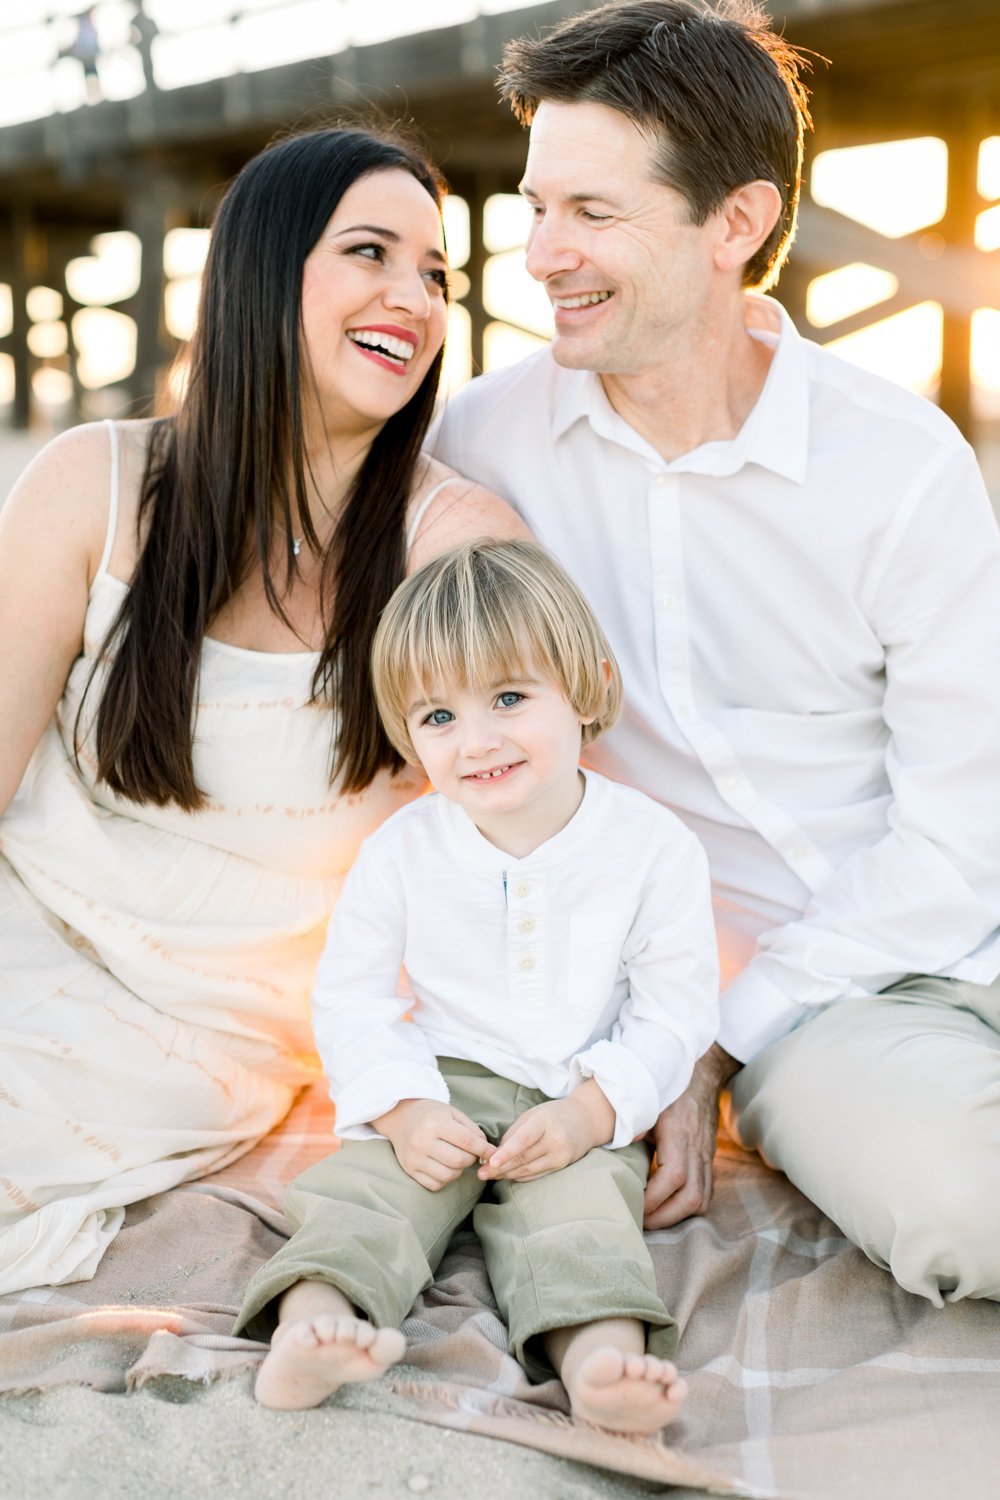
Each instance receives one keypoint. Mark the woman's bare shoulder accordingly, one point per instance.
(65, 492)
(461, 511)
(62, 495)
(81, 452)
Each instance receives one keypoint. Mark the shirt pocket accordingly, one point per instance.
(594, 965)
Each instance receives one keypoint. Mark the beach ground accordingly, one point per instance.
(183, 1441)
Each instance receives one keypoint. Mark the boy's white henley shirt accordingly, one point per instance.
(593, 957)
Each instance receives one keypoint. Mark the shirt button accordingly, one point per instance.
(662, 479)
(731, 783)
(683, 711)
(798, 854)
(526, 961)
(669, 601)
(521, 889)
(526, 924)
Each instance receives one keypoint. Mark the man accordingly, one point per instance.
(799, 572)
(86, 48)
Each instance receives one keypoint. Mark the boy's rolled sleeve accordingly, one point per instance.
(627, 1084)
(372, 1055)
(671, 1014)
(374, 1093)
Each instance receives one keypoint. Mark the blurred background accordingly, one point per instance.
(121, 123)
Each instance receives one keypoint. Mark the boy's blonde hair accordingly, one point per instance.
(490, 612)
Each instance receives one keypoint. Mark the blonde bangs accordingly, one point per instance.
(487, 613)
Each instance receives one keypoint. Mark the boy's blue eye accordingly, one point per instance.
(439, 716)
(510, 700)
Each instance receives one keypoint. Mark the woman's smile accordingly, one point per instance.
(387, 344)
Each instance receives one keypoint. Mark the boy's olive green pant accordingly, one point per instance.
(561, 1251)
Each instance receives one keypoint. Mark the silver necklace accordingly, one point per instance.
(296, 540)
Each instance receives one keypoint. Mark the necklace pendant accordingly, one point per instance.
(297, 545)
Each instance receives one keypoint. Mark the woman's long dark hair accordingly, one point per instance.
(217, 479)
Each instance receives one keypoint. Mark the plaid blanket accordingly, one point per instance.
(813, 1377)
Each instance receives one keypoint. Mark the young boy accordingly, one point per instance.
(557, 936)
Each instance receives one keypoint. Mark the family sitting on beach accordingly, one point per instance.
(237, 642)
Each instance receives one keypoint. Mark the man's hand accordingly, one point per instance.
(685, 1145)
(552, 1135)
(433, 1142)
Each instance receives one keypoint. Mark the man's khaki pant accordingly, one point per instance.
(561, 1251)
(886, 1113)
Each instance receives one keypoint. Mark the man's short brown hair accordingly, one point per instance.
(719, 91)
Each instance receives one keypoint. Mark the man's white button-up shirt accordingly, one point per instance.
(592, 957)
(807, 617)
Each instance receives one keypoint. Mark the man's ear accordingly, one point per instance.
(748, 216)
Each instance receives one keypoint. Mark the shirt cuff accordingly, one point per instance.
(626, 1083)
(380, 1089)
(755, 1013)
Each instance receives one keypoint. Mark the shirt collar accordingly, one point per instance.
(775, 435)
(477, 853)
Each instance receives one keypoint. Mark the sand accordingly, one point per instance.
(181, 1441)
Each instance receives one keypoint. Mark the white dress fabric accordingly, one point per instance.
(156, 965)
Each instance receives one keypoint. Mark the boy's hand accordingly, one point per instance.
(433, 1142)
(552, 1135)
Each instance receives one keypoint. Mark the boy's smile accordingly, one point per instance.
(495, 774)
(508, 754)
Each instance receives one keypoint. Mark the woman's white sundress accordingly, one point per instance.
(155, 965)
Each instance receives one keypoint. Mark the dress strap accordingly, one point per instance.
(424, 507)
(109, 540)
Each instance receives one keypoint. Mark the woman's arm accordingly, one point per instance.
(52, 531)
(462, 512)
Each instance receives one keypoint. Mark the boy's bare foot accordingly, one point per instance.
(311, 1358)
(626, 1392)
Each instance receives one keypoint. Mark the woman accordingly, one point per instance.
(182, 604)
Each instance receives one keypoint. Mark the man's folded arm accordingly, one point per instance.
(927, 894)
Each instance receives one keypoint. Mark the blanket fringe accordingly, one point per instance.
(471, 1409)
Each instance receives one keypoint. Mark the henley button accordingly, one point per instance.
(526, 924)
(526, 961)
(521, 889)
